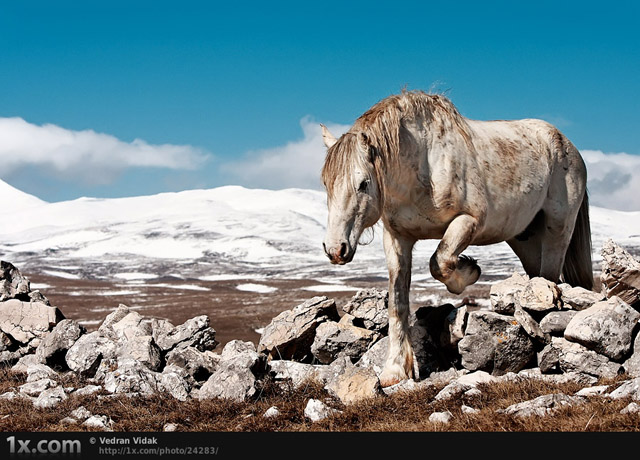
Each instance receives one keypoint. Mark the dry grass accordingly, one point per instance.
(401, 412)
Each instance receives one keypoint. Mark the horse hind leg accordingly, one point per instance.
(447, 265)
(528, 245)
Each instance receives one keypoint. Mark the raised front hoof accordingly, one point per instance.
(467, 272)
(393, 375)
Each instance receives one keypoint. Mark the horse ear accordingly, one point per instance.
(327, 137)
(364, 140)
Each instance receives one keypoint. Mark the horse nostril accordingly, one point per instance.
(343, 250)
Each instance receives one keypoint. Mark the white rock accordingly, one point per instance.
(50, 398)
(441, 417)
(271, 412)
(469, 410)
(101, 422)
(316, 410)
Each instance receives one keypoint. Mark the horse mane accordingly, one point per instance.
(381, 126)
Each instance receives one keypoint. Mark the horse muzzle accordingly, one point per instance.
(340, 253)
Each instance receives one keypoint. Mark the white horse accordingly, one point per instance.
(429, 173)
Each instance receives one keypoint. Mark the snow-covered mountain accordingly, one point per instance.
(217, 233)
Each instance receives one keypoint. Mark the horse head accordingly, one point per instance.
(353, 193)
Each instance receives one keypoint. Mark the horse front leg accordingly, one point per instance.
(399, 363)
(447, 266)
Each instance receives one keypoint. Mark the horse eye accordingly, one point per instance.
(364, 185)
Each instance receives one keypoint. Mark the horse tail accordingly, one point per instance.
(578, 269)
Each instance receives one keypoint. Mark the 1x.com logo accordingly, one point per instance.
(44, 446)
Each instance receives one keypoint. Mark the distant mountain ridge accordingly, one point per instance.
(214, 232)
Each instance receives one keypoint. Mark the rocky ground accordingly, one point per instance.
(530, 330)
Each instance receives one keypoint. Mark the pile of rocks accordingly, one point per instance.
(534, 328)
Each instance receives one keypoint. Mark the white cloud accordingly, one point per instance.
(613, 179)
(96, 157)
(296, 164)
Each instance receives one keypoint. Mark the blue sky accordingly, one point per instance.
(166, 96)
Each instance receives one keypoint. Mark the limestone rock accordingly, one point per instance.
(495, 343)
(530, 325)
(132, 325)
(194, 332)
(355, 384)
(295, 373)
(37, 387)
(555, 322)
(131, 377)
(39, 372)
(632, 365)
(50, 397)
(606, 328)
(573, 357)
(376, 356)
(441, 417)
(540, 295)
(239, 369)
(332, 338)
(620, 274)
(455, 324)
(505, 294)
(53, 348)
(543, 405)
(88, 351)
(369, 307)
(199, 365)
(578, 298)
(628, 389)
(291, 333)
(143, 349)
(24, 321)
(12, 284)
(316, 410)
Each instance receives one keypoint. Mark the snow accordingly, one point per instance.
(259, 288)
(222, 234)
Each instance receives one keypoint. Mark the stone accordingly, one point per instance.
(25, 362)
(628, 389)
(632, 365)
(631, 408)
(170, 427)
(333, 338)
(101, 422)
(355, 384)
(81, 413)
(441, 417)
(39, 372)
(88, 390)
(36, 387)
(606, 328)
(540, 295)
(543, 405)
(199, 365)
(504, 295)
(316, 410)
(143, 349)
(530, 326)
(455, 324)
(24, 321)
(369, 307)
(598, 390)
(238, 372)
(328, 373)
(620, 275)
(88, 351)
(106, 327)
(295, 373)
(12, 284)
(495, 343)
(549, 359)
(291, 333)
(555, 322)
(272, 412)
(194, 332)
(174, 384)
(573, 357)
(376, 356)
(54, 346)
(469, 410)
(131, 377)
(5, 342)
(577, 297)
(50, 397)
(132, 325)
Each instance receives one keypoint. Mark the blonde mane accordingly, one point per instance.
(381, 126)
